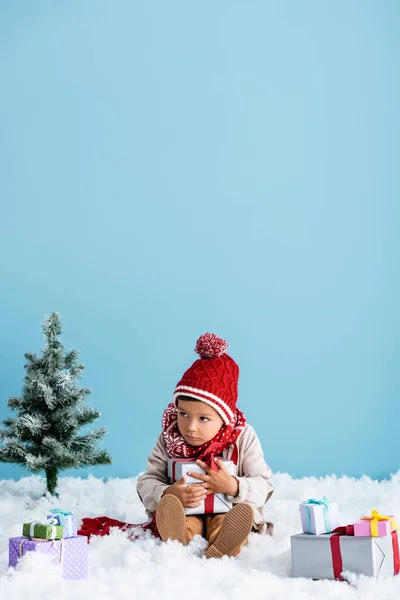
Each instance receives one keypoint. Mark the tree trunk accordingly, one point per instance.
(51, 480)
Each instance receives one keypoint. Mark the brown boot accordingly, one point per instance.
(235, 530)
(171, 519)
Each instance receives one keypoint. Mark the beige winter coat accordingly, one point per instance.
(254, 476)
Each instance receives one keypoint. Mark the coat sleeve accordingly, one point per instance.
(152, 484)
(255, 486)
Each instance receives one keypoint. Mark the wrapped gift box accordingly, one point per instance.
(319, 516)
(71, 553)
(375, 526)
(43, 531)
(66, 519)
(322, 557)
(214, 503)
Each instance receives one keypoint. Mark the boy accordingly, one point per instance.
(203, 421)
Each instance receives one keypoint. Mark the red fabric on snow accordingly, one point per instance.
(102, 525)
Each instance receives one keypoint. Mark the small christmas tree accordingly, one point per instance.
(44, 434)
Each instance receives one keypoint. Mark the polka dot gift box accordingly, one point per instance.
(71, 553)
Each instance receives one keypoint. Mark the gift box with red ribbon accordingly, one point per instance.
(327, 556)
(214, 503)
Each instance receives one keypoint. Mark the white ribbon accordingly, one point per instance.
(32, 528)
(47, 523)
(53, 532)
(51, 521)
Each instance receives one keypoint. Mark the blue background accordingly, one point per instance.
(171, 168)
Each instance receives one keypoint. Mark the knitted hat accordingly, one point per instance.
(213, 378)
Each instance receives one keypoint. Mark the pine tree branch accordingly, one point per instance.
(14, 402)
(46, 393)
(76, 372)
(8, 457)
(60, 454)
(87, 414)
(83, 394)
(36, 463)
(88, 440)
(64, 380)
(13, 451)
(5, 434)
(32, 424)
(101, 457)
(52, 446)
(70, 358)
(34, 362)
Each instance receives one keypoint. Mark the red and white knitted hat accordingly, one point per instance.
(213, 378)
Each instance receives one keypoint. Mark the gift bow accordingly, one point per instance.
(375, 518)
(324, 504)
(61, 514)
(209, 457)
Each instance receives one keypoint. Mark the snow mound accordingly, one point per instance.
(148, 569)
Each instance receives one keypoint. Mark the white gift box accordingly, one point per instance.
(313, 556)
(319, 516)
(65, 518)
(214, 503)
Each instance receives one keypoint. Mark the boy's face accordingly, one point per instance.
(197, 421)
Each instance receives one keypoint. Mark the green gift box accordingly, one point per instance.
(42, 531)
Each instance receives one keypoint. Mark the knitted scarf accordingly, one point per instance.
(177, 446)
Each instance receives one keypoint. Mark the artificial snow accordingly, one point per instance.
(149, 569)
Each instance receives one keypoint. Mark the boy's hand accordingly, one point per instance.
(190, 496)
(217, 482)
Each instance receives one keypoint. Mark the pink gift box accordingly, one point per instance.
(362, 528)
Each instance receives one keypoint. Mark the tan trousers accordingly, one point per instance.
(207, 526)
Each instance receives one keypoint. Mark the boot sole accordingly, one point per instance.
(235, 529)
(171, 519)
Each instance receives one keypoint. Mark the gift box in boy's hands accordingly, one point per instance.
(319, 516)
(214, 503)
